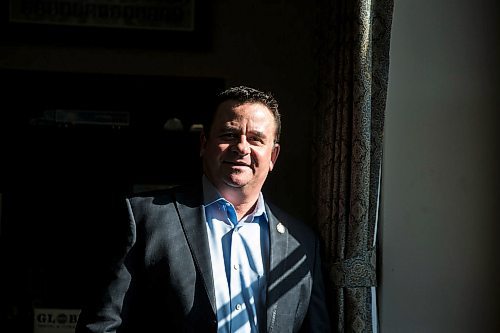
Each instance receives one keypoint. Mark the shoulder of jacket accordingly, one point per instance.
(295, 225)
(183, 193)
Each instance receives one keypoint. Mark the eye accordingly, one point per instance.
(255, 139)
(228, 136)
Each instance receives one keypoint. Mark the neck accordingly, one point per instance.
(243, 202)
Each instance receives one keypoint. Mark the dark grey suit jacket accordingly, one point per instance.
(161, 279)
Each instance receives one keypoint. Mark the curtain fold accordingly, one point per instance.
(353, 52)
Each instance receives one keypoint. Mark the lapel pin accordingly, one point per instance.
(281, 228)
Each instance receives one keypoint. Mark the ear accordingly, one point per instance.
(274, 156)
(203, 143)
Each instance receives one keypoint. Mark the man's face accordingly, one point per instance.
(240, 150)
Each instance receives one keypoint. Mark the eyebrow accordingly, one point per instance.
(259, 134)
(229, 128)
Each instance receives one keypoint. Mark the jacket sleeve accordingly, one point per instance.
(103, 309)
(317, 319)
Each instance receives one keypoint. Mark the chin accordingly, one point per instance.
(236, 182)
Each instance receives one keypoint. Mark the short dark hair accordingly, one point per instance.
(242, 95)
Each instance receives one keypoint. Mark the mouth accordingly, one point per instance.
(237, 164)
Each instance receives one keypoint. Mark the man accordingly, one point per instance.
(217, 257)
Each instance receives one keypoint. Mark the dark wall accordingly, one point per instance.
(266, 44)
(63, 180)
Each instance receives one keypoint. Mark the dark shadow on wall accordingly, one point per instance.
(61, 178)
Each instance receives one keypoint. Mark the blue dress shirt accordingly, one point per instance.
(240, 258)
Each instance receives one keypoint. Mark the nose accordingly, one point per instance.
(241, 147)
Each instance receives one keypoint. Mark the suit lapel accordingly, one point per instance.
(278, 239)
(192, 216)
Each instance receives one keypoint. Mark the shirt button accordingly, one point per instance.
(235, 267)
(238, 306)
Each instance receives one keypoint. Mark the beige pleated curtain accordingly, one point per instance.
(353, 54)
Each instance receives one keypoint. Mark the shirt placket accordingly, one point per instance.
(239, 315)
(240, 319)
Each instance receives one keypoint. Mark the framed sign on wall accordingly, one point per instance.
(156, 23)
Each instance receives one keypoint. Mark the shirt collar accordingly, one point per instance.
(211, 196)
